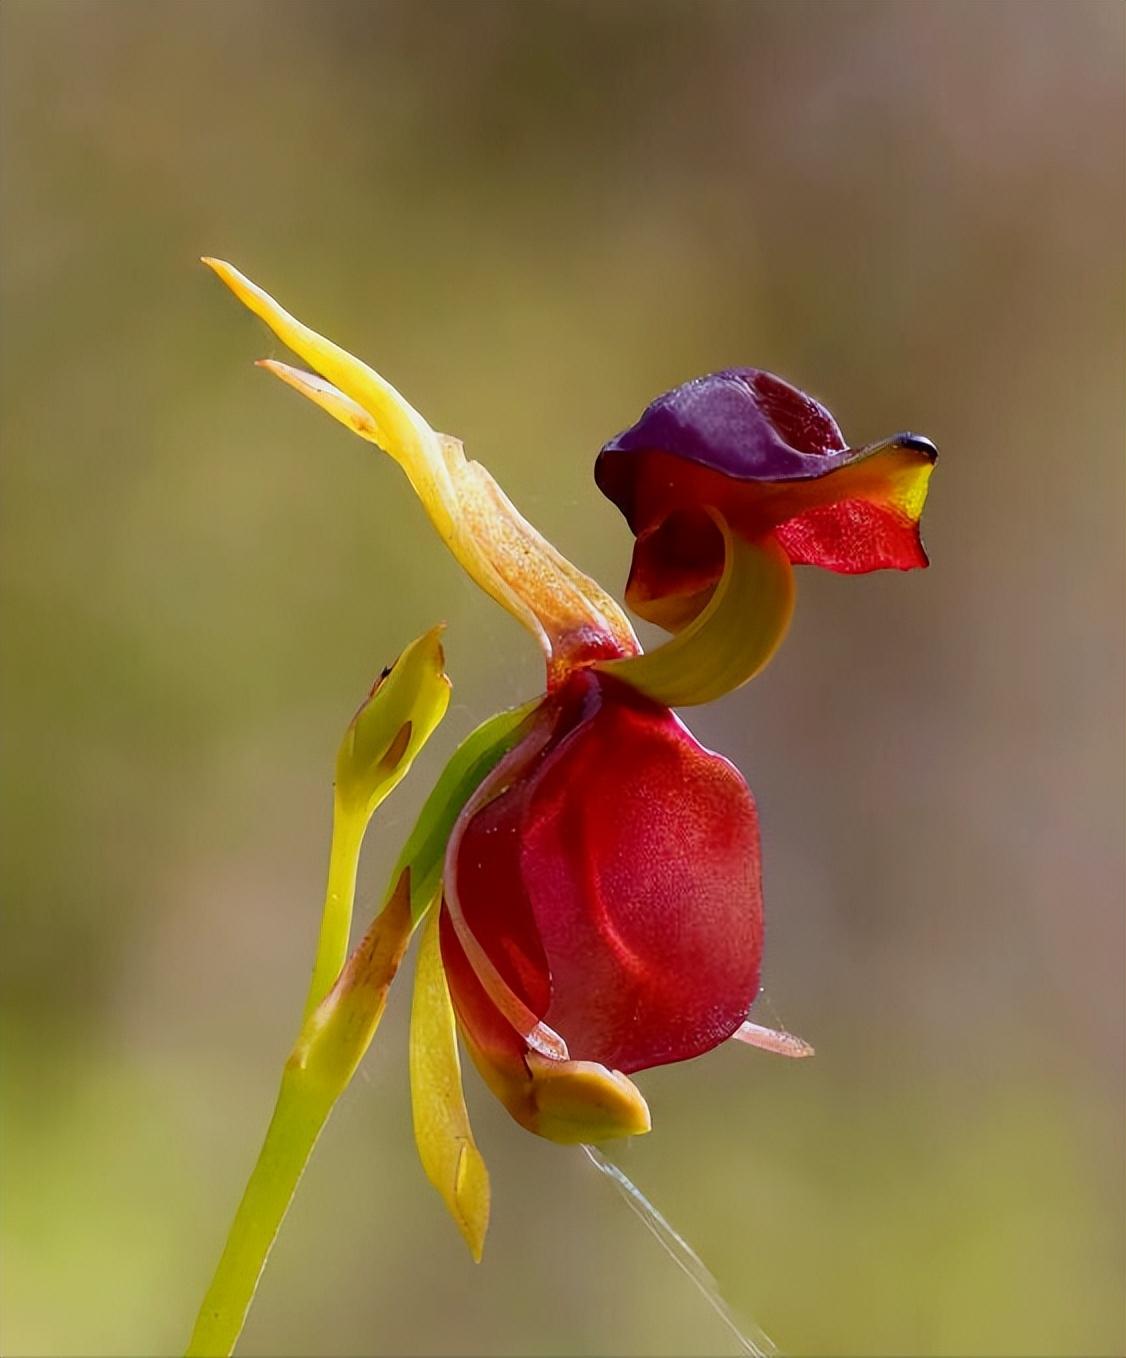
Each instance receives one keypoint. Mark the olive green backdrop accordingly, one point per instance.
(532, 217)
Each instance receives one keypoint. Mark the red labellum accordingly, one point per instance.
(607, 884)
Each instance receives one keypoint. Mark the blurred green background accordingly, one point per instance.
(532, 218)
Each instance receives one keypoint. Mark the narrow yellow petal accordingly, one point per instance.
(325, 395)
(445, 1142)
(401, 430)
(566, 611)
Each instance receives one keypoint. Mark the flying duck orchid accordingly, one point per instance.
(585, 875)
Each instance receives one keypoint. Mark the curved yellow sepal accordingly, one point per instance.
(567, 611)
(734, 636)
(580, 1101)
(565, 1101)
(442, 1133)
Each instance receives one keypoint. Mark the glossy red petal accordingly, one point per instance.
(641, 860)
(494, 902)
(615, 887)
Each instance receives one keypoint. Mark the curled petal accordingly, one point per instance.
(571, 616)
(730, 640)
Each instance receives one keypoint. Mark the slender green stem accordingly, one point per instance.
(346, 1000)
(331, 1045)
(304, 1103)
(303, 1106)
(348, 826)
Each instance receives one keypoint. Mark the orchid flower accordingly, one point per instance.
(587, 875)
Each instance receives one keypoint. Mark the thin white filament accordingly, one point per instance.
(756, 1343)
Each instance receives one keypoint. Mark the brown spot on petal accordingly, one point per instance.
(397, 748)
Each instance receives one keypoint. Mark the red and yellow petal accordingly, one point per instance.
(749, 447)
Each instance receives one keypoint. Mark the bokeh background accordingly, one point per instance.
(533, 218)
